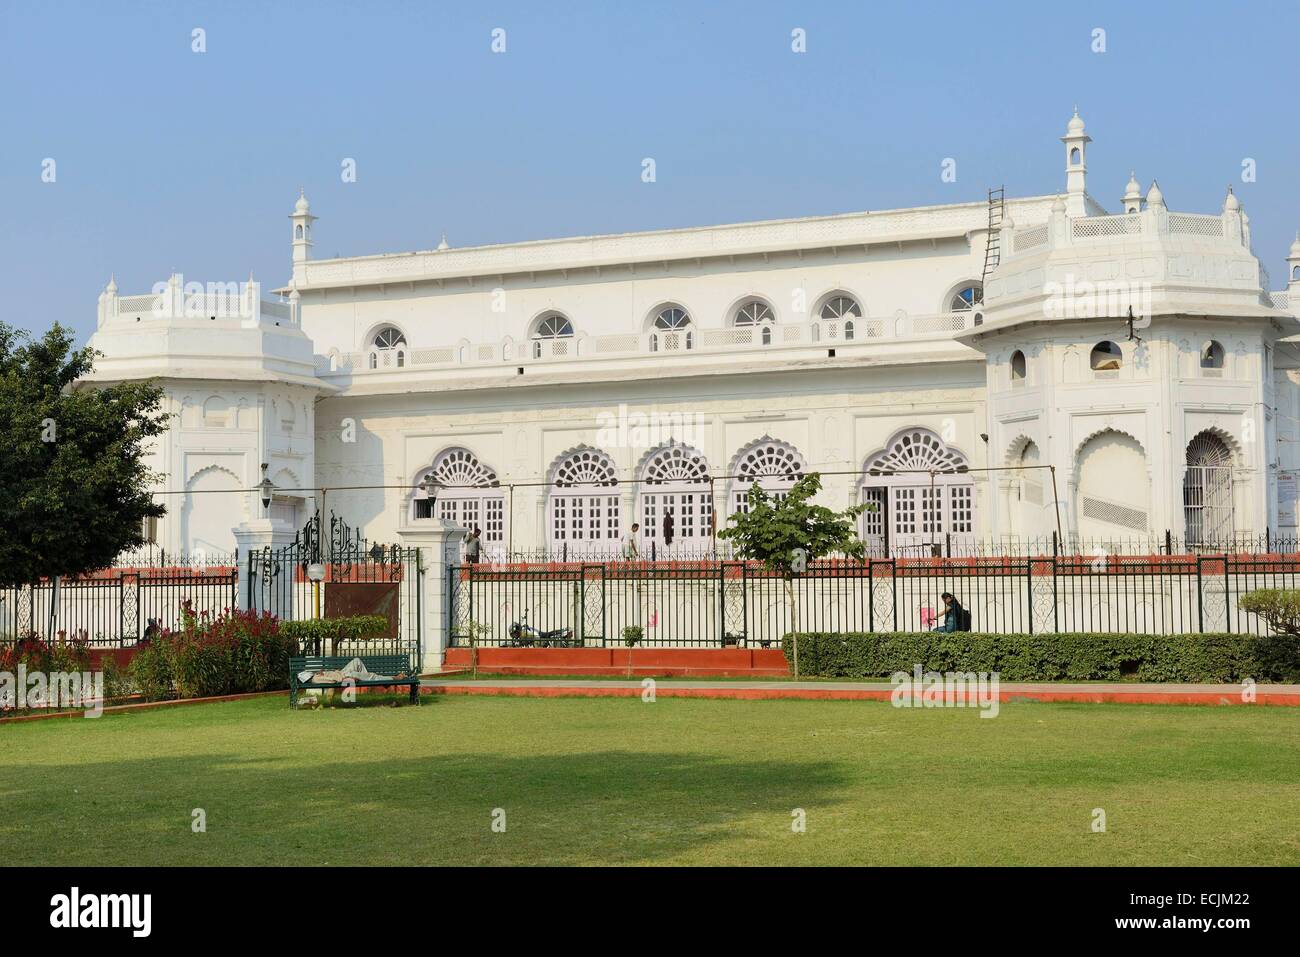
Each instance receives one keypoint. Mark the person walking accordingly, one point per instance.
(631, 551)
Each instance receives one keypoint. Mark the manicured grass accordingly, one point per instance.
(678, 781)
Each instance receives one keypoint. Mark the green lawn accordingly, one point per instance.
(679, 781)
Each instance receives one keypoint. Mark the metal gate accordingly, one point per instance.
(334, 572)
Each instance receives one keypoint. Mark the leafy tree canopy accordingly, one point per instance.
(74, 486)
(788, 533)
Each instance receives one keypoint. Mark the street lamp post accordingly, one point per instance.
(316, 575)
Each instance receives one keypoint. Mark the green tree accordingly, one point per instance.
(75, 489)
(786, 535)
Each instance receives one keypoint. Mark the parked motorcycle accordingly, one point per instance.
(524, 635)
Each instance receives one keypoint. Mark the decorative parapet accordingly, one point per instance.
(738, 341)
(177, 299)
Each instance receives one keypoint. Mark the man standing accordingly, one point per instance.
(631, 551)
(472, 547)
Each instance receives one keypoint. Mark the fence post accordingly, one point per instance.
(893, 589)
(1200, 600)
(439, 546)
(254, 536)
(1029, 590)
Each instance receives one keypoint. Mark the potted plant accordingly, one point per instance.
(632, 635)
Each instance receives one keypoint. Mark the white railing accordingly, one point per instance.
(176, 300)
(847, 332)
(1191, 224)
(1031, 238)
(1096, 226)
(1227, 228)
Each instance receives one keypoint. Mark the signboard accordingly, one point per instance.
(1286, 499)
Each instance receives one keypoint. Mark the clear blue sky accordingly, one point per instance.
(171, 159)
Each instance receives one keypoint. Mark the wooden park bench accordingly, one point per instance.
(399, 666)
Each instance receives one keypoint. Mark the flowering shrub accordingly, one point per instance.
(234, 652)
(67, 653)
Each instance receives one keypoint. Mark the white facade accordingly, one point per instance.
(560, 390)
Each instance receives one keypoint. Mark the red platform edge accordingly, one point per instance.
(560, 690)
(613, 661)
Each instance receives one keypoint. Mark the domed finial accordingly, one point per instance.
(1154, 196)
(1076, 122)
(1132, 194)
(302, 206)
(112, 283)
(1231, 203)
(443, 245)
(1295, 248)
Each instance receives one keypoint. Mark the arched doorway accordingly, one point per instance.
(469, 495)
(923, 496)
(583, 507)
(208, 519)
(773, 465)
(1113, 500)
(1030, 493)
(676, 494)
(1207, 491)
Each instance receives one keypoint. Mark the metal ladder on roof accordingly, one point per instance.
(993, 247)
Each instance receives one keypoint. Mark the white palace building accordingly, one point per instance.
(934, 360)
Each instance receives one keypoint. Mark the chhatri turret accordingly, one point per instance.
(1076, 166)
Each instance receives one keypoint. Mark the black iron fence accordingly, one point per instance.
(717, 604)
(331, 572)
(939, 546)
(117, 607)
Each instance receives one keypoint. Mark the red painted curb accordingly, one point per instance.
(858, 694)
(613, 661)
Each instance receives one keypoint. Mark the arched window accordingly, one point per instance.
(388, 348)
(1106, 356)
(1017, 368)
(551, 336)
(1212, 355)
(673, 330)
(584, 506)
(469, 495)
(771, 464)
(1207, 492)
(840, 307)
(755, 312)
(677, 501)
(915, 512)
(849, 329)
(966, 297)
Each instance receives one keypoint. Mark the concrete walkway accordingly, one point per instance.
(1093, 692)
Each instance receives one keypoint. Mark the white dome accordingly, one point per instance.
(1134, 189)
(1295, 248)
(1076, 123)
(1231, 202)
(1154, 196)
(302, 206)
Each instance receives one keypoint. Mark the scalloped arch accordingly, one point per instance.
(583, 465)
(674, 462)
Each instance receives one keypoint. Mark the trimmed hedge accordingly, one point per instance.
(1051, 657)
(314, 635)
